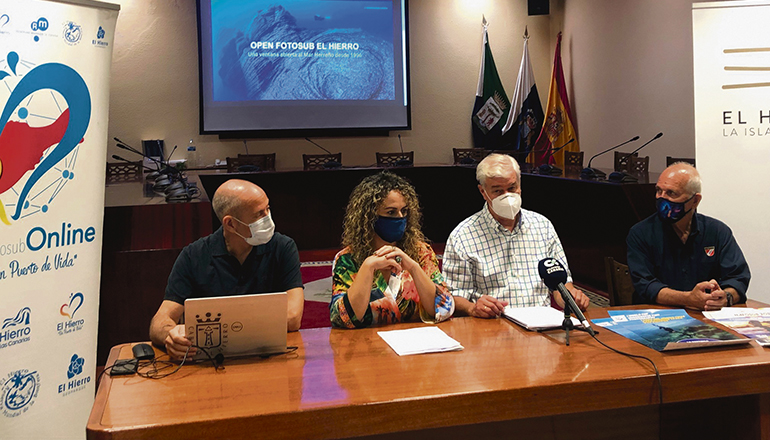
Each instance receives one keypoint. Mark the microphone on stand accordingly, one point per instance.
(170, 154)
(593, 173)
(547, 168)
(404, 162)
(162, 167)
(554, 276)
(622, 176)
(331, 163)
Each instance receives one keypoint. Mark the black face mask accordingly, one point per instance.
(671, 212)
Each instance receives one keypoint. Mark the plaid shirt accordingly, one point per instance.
(484, 258)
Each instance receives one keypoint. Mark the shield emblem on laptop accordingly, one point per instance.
(208, 331)
(209, 335)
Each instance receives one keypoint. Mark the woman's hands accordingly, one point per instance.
(395, 258)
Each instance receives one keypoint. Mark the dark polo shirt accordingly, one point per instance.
(657, 258)
(205, 268)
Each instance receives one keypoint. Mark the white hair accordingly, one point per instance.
(497, 165)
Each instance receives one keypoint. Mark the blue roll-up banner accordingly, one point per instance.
(55, 59)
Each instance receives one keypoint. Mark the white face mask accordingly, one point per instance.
(261, 230)
(506, 205)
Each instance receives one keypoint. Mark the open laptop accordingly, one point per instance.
(238, 325)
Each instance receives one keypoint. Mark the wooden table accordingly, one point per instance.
(506, 383)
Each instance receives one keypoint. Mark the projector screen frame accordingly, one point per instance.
(338, 131)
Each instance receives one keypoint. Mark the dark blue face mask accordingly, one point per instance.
(390, 229)
(671, 212)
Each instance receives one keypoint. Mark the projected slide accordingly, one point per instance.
(302, 50)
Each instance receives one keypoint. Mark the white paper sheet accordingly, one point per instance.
(419, 340)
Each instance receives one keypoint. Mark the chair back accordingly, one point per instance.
(233, 165)
(672, 160)
(638, 165)
(387, 160)
(621, 161)
(317, 161)
(619, 284)
(118, 172)
(469, 156)
(574, 158)
(265, 162)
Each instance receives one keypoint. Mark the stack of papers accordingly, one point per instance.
(753, 323)
(666, 329)
(419, 340)
(537, 318)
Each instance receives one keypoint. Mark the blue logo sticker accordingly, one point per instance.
(19, 391)
(16, 330)
(74, 383)
(40, 25)
(73, 32)
(99, 41)
(76, 366)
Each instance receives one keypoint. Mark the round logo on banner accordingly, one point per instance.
(41, 126)
(72, 32)
(19, 391)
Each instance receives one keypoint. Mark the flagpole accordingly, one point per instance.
(480, 85)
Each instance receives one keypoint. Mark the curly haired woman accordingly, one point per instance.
(386, 273)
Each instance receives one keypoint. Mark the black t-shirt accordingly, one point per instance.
(205, 269)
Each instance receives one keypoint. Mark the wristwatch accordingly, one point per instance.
(729, 297)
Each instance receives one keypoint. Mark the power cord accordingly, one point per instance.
(156, 368)
(657, 376)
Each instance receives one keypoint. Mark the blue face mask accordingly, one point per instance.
(390, 229)
(671, 212)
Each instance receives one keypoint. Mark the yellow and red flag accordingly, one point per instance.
(558, 128)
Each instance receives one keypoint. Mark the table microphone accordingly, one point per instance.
(554, 276)
(162, 167)
(330, 163)
(402, 162)
(620, 176)
(593, 173)
(547, 168)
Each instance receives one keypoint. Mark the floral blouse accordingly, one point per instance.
(382, 309)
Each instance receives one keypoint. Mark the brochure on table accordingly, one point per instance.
(752, 323)
(667, 329)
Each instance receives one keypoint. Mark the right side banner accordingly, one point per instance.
(731, 61)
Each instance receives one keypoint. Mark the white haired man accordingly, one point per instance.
(679, 257)
(491, 258)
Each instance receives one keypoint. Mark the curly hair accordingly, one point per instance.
(361, 213)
